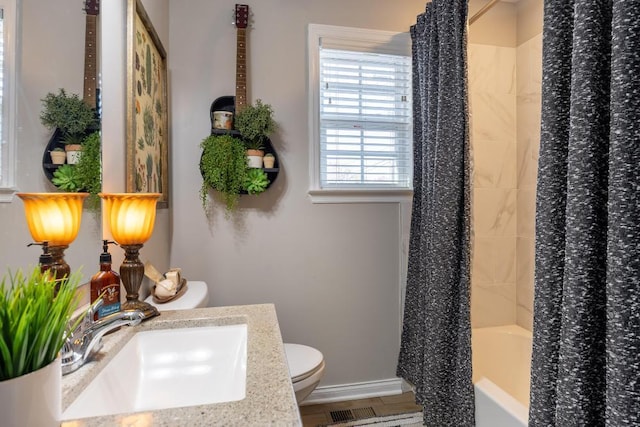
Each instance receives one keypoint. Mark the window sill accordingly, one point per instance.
(360, 196)
(6, 194)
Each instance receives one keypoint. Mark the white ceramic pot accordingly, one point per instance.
(73, 153)
(33, 399)
(254, 161)
(254, 158)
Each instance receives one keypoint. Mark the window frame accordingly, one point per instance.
(359, 40)
(8, 143)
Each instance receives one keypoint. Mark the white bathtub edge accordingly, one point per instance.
(516, 412)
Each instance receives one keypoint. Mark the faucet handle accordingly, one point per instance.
(90, 313)
(94, 308)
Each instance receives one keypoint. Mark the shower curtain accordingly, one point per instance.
(586, 345)
(435, 354)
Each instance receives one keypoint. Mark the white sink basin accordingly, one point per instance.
(169, 368)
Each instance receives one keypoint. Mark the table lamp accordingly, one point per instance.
(54, 218)
(131, 217)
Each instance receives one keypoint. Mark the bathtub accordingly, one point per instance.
(501, 359)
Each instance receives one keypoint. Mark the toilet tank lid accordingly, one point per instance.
(302, 359)
(197, 295)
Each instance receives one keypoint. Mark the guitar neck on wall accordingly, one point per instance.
(241, 21)
(92, 9)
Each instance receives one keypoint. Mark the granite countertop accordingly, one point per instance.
(269, 400)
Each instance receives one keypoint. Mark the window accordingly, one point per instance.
(7, 98)
(360, 115)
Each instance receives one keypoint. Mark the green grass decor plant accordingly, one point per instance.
(223, 165)
(33, 320)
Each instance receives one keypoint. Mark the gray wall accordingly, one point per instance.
(333, 271)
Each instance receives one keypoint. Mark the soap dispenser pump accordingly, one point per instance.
(106, 283)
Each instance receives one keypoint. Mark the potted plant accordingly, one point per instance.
(269, 161)
(223, 165)
(255, 181)
(71, 116)
(35, 312)
(58, 156)
(255, 153)
(255, 123)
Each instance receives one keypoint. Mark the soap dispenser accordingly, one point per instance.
(106, 283)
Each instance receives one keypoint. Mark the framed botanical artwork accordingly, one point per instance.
(147, 107)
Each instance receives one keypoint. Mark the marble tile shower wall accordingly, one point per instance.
(528, 104)
(492, 96)
(504, 94)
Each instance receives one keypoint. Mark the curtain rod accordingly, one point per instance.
(482, 11)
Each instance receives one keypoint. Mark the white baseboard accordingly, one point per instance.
(338, 393)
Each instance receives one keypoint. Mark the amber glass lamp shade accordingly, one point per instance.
(131, 217)
(54, 218)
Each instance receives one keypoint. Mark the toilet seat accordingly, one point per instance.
(303, 361)
(197, 295)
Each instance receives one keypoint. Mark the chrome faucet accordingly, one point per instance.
(86, 339)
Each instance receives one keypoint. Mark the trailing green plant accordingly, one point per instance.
(255, 123)
(223, 165)
(35, 312)
(68, 113)
(88, 170)
(256, 181)
(66, 178)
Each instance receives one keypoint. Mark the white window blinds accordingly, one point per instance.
(365, 120)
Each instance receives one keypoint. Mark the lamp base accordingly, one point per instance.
(147, 309)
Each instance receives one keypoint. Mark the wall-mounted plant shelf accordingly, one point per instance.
(227, 103)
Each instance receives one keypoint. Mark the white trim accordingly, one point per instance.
(344, 38)
(360, 196)
(9, 143)
(404, 230)
(337, 393)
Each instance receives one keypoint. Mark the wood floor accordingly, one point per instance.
(314, 415)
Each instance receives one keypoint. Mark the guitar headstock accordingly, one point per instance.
(241, 15)
(92, 7)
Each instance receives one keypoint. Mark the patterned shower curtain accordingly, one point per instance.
(435, 354)
(586, 345)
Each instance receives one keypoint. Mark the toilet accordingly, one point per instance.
(306, 364)
(306, 367)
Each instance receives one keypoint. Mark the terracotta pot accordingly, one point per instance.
(58, 157)
(34, 399)
(269, 162)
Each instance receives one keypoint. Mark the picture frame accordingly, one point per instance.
(147, 130)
